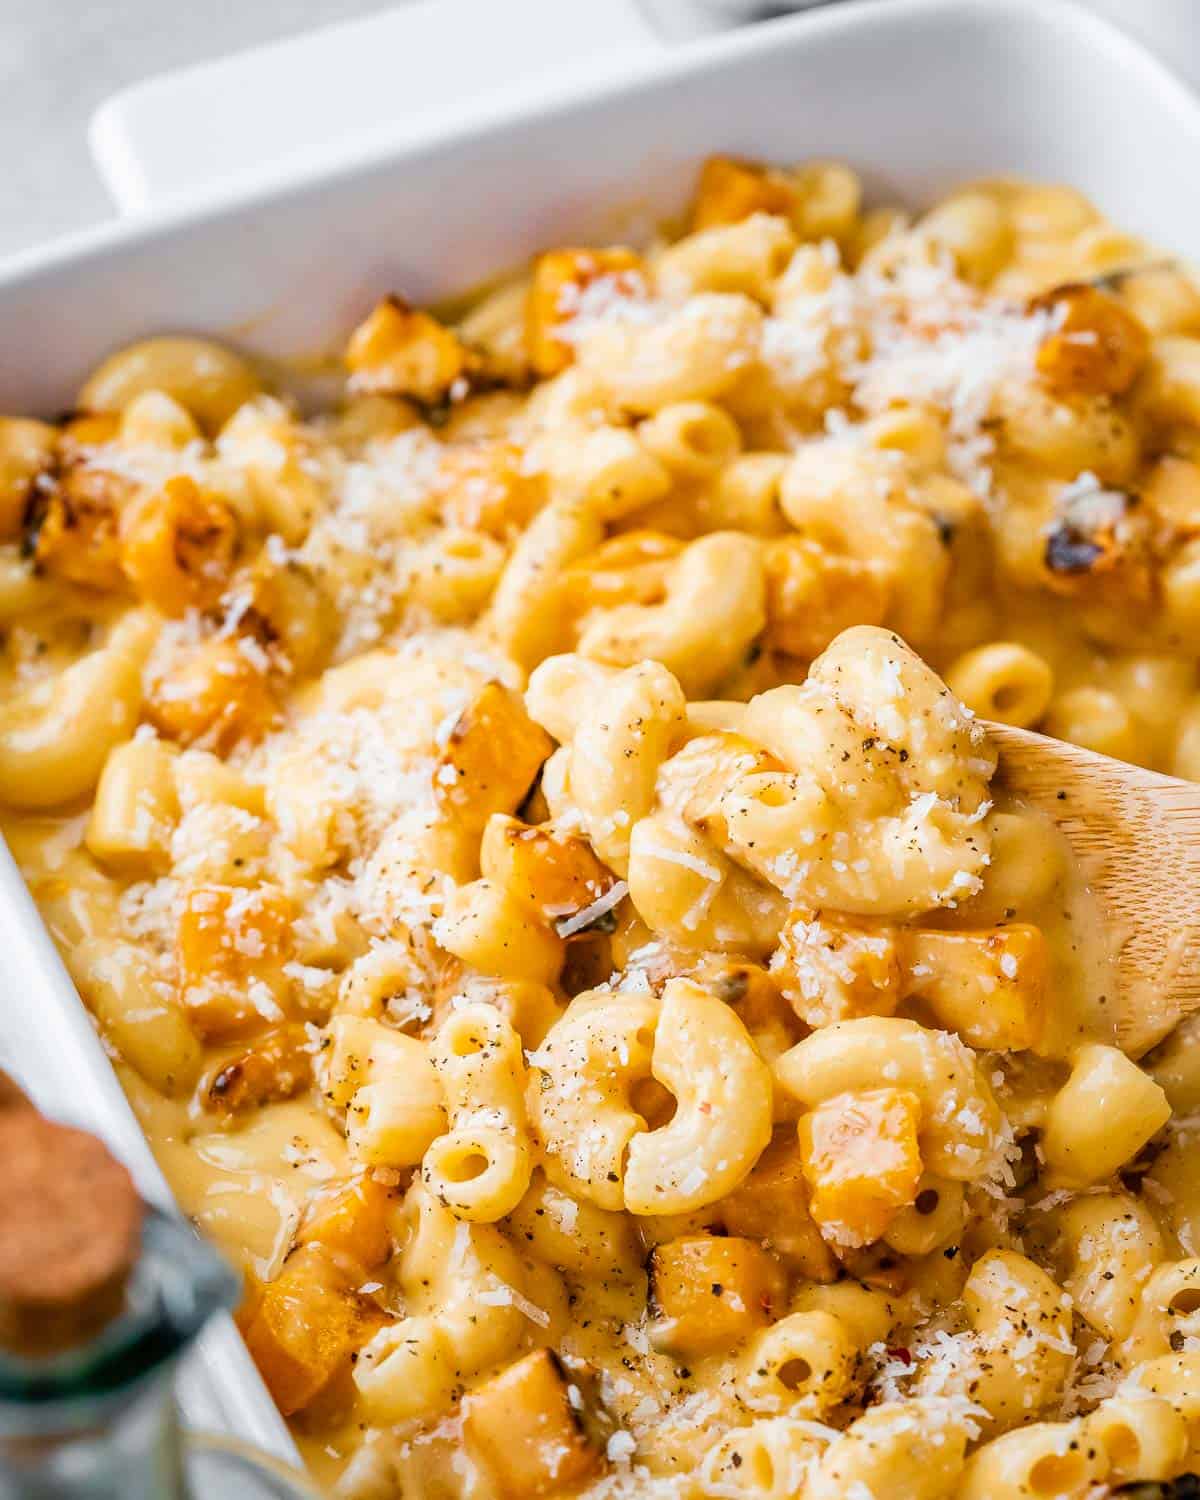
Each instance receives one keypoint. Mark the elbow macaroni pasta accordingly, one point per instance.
(525, 838)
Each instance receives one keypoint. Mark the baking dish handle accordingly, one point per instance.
(415, 67)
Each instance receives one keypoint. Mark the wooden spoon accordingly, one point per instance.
(1136, 837)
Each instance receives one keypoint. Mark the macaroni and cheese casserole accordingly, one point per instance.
(528, 840)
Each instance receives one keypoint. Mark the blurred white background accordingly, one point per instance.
(60, 58)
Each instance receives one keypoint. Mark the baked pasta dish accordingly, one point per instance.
(527, 838)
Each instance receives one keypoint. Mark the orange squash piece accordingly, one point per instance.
(989, 986)
(772, 1206)
(231, 946)
(73, 528)
(524, 1428)
(305, 1327)
(832, 967)
(814, 594)
(490, 757)
(1098, 347)
(178, 545)
(352, 1219)
(401, 351)
(559, 277)
(277, 1066)
(729, 190)
(862, 1161)
(217, 695)
(484, 487)
(554, 874)
(710, 1292)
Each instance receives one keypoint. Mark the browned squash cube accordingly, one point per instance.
(1100, 546)
(219, 694)
(710, 1292)
(484, 487)
(1098, 347)
(729, 190)
(814, 594)
(555, 875)
(178, 545)
(832, 967)
(490, 757)
(988, 986)
(523, 1427)
(278, 1066)
(231, 946)
(862, 1161)
(559, 277)
(353, 1219)
(73, 528)
(772, 1205)
(285, 611)
(400, 351)
(305, 1326)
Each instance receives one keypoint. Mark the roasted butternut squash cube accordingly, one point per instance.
(710, 1292)
(278, 1066)
(814, 594)
(400, 351)
(555, 875)
(485, 487)
(862, 1161)
(1100, 546)
(305, 1326)
(353, 1219)
(729, 190)
(988, 986)
(72, 527)
(178, 545)
(219, 694)
(559, 279)
(231, 946)
(281, 606)
(1097, 347)
(26, 452)
(772, 1206)
(524, 1428)
(490, 758)
(832, 967)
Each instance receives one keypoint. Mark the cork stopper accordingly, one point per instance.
(70, 1231)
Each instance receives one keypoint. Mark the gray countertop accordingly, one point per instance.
(60, 58)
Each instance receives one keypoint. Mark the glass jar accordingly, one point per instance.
(101, 1423)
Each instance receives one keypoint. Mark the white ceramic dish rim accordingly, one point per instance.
(55, 1041)
(660, 66)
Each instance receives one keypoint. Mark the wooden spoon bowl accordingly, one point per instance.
(1136, 837)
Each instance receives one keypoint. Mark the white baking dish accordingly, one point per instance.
(283, 257)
